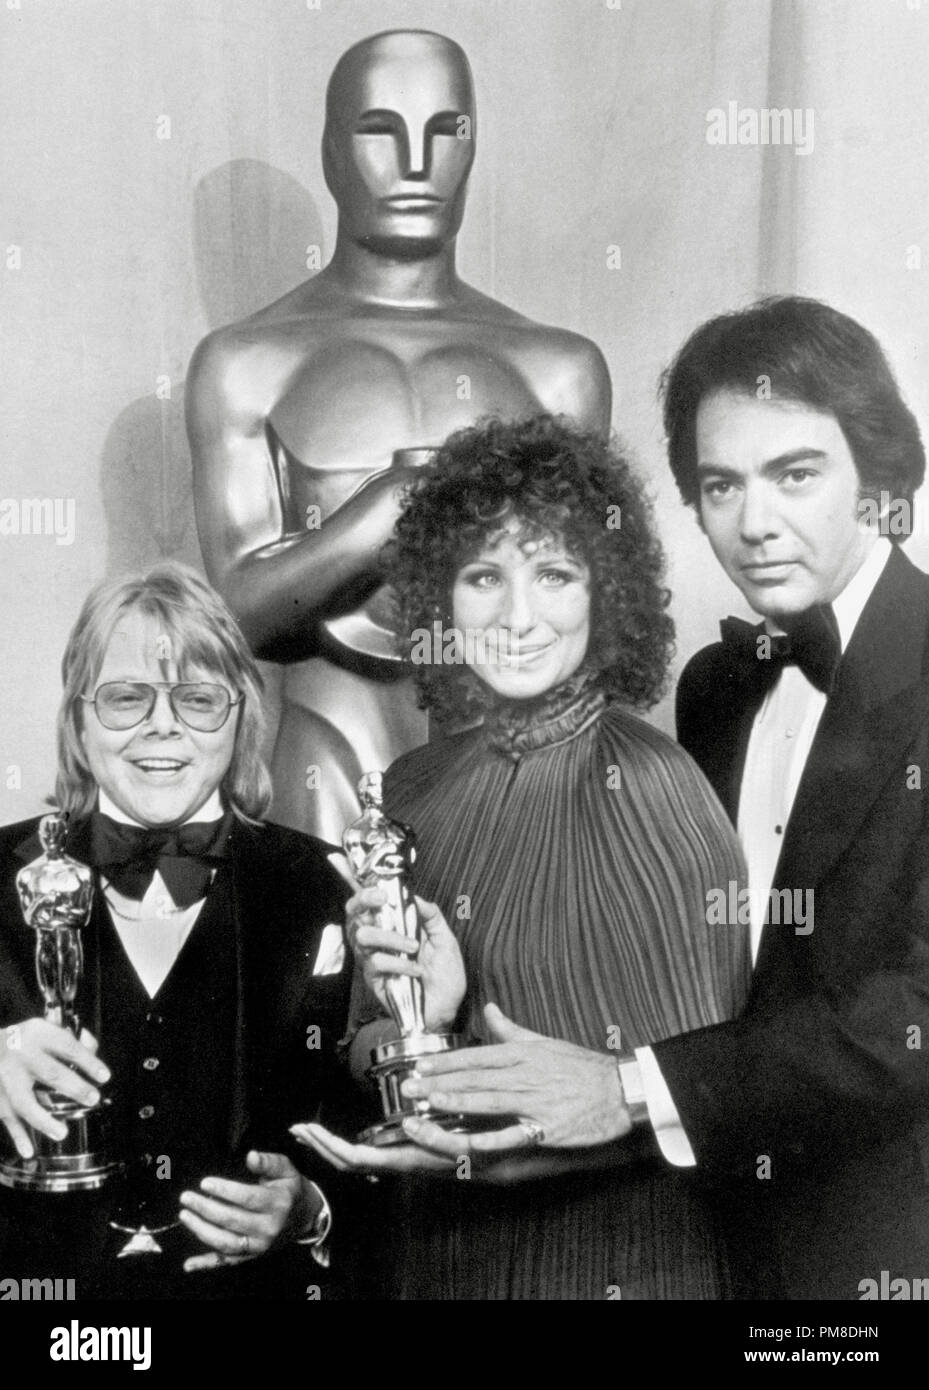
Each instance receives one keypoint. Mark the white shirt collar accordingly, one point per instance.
(212, 809)
(849, 605)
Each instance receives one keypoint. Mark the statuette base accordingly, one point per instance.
(394, 1061)
(73, 1164)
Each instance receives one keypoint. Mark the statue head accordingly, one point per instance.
(399, 141)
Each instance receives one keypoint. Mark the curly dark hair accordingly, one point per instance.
(558, 482)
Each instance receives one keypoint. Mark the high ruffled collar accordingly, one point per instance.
(515, 727)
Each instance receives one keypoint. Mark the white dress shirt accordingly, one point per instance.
(154, 930)
(778, 747)
(153, 933)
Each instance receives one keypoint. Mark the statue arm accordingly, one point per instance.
(278, 584)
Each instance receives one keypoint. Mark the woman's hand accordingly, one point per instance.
(521, 1164)
(383, 955)
(240, 1220)
(367, 1160)
(40, 1052)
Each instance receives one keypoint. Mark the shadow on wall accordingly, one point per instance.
(252, 225)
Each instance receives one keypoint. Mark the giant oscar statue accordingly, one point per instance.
(307, 419)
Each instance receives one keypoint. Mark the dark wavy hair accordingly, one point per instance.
(558, 483)
(808, 352)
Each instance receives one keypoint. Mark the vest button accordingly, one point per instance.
(151, 1063)
(146, 1112)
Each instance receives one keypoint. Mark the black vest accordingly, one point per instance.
(171, 1059)
(233, 1069)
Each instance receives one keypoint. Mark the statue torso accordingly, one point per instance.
(346, 393)
(341, 385)
(338, 386)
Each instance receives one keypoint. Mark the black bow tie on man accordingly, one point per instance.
(185, 856)
(812, 642)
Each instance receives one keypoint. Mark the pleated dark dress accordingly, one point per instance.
(571, 846)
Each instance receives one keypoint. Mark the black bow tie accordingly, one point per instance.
(185, 856)
(812, 643)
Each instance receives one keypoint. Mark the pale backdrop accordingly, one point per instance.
(592, 135)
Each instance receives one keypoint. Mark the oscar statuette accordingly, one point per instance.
(56, 893)
(381, 853)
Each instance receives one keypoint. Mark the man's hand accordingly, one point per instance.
(239, 1220)
(383, 955)
(571, 1094)
(37, 1051)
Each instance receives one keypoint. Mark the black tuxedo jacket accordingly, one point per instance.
(283, 892)
(826, 1072)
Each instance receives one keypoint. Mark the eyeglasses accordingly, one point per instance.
(199, 705)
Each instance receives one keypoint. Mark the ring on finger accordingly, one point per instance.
(535, 1134)
(244, 1248)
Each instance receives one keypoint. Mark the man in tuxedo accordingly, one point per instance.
(211, 977)
(810, 1111)
(788, 434)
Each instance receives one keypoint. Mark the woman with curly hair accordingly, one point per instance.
(572, 846)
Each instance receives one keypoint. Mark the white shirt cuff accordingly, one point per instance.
(662, 1112)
